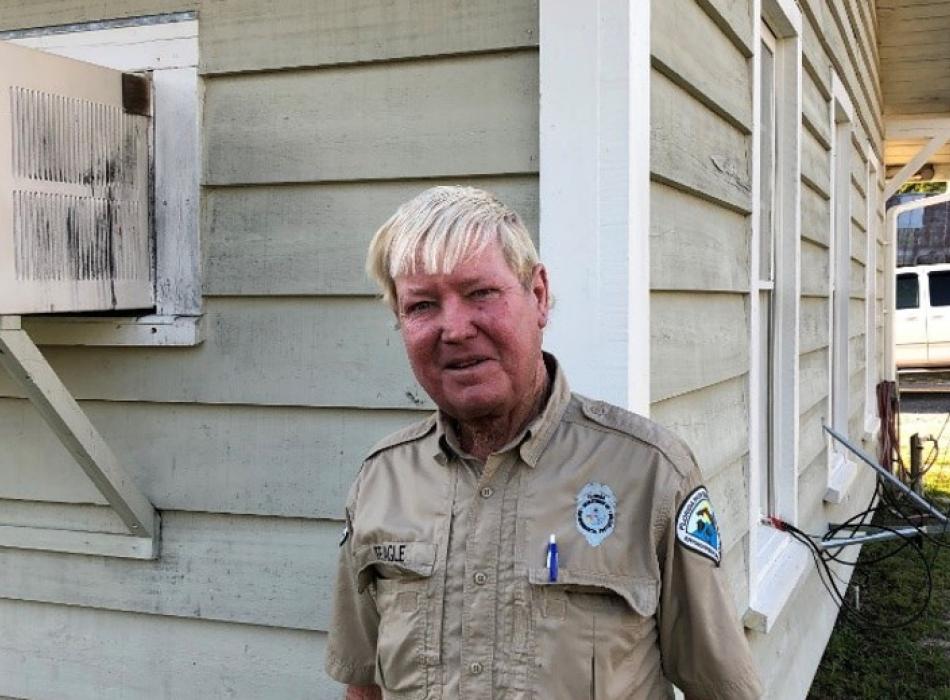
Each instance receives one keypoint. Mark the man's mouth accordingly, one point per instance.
(466, 364)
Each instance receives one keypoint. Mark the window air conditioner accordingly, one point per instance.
(74, 186)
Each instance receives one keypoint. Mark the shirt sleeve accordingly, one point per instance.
(702, 643)
(351, 645)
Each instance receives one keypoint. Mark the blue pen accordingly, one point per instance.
(552, 558)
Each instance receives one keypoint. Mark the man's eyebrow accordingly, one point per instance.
(418, 290)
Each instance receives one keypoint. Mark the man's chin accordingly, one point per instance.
(474, 409)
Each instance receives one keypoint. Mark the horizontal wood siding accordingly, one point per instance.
(693, 148)
(259, 460)
(260, 571)
(697, 340)
(460, 116)
(318, 120)
(700, 231)
(16, 14)
(247, 35)
(311, 239)
(718, 438)
(69, 652)
(690, 49)
(695, 244)
(258, 350)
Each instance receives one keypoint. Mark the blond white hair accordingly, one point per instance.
(441, 227)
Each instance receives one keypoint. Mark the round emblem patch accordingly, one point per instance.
(596, 512)
(696, 526)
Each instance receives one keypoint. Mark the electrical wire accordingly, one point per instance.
(887, 511)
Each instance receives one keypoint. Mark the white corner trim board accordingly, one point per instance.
(595, 193)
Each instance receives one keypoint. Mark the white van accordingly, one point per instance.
(922, 316)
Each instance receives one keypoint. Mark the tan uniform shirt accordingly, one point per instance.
(444, 590)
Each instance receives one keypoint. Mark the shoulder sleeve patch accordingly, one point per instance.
(407, 434)
(643, 429)
(696, 526)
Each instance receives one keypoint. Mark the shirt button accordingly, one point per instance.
(476, 668)
(487, 491)
(480, 578)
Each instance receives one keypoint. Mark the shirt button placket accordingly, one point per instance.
(480, 595)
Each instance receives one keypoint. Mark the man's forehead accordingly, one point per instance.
(485, 265)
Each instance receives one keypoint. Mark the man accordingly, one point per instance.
(523, 541)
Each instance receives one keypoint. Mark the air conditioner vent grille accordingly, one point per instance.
(101, 239)
(69, 140)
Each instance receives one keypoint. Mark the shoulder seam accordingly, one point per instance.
(400, 437)
(598, 412)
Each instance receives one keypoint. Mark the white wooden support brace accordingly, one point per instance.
(26, 364)
(916, 163)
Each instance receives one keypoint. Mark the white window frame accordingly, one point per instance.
(167, 47)
(841, 467)
(776, 565)
(871, 368)
(595, 193)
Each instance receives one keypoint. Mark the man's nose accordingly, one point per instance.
(457, 322)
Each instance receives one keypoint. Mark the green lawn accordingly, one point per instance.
(907, 663)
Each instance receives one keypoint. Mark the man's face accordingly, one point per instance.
(473, 335)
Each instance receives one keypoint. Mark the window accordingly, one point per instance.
(164, 47)
(775, 563)
(908, 293)
(765, 285)
(939, 287)
(775, 261)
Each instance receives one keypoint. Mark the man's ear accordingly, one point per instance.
(541, 293)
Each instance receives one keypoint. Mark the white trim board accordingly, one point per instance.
(783, 19)
(871, 368)
(595, 193)
(840, 468)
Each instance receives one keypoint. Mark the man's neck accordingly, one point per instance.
(482, 437)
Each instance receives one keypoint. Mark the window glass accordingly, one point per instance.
(767, 164)
(940, 288)
(907, 292)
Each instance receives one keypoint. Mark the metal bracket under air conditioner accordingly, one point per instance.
(26, 364)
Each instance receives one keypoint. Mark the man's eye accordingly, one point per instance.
(483, 293)
(418, 307)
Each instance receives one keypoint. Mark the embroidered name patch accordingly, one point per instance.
(696, 526)
(596, 512)
(390, 552)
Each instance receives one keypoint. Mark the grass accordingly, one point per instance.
(908, 663)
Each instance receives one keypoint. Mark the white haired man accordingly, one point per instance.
(522, 541)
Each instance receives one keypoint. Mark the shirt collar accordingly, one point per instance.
(531, 441)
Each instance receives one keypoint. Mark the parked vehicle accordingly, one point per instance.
(922, 316)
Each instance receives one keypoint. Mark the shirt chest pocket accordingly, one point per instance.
(407, 647)
(586, 631)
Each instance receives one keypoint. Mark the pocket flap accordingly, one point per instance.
(641, 594)
(393, 560)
